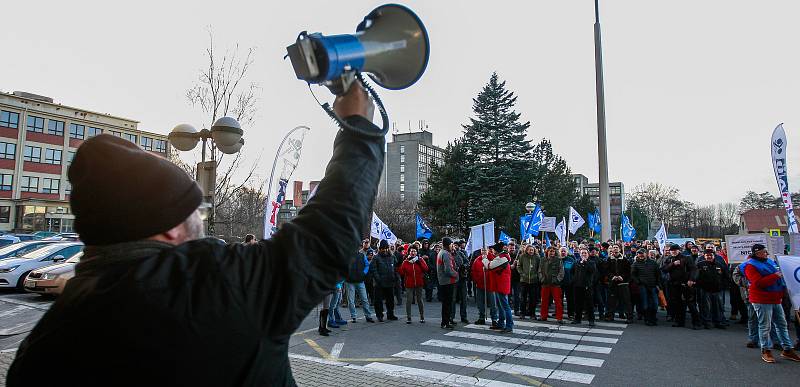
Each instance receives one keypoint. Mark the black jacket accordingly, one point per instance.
(645, 273)
(710, 276)
(383, 270)
(205, 313)
(583, 274)
(680, 274)
(619, 267)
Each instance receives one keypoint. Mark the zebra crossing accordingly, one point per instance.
(536, 353)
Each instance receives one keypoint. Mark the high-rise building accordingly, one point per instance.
(407, 167)
(38, 139)
(616, 193)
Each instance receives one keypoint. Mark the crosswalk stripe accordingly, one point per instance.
(13, 311)
(555, 335)
(530, 341)
(535, 372)
(598, 323)
(531, 355)
(438, 376)
(568, 328)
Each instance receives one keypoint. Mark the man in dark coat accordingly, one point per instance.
(153, 304)
(385, 274)
(682, 277)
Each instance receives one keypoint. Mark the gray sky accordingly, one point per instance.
(693, 88)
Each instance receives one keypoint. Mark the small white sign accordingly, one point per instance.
(548, 224)
(739, 246)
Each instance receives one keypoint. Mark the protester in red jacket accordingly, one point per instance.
(413, 270)
(500, 274)
(483, 295)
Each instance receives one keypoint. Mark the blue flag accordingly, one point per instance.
(594, 221)
(423, 231)
(529, 224)
(628, 232)
(504, 237)
(547, 240)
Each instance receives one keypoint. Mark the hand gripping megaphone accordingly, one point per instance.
(390, 44)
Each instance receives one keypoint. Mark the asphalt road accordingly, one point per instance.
(540, 354)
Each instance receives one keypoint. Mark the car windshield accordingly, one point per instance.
(76, 258)
(44, 251)
(11, 248)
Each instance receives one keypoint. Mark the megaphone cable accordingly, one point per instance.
(344, 125)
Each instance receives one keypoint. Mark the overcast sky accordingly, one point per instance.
(693, 88)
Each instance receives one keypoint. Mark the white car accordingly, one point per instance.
(52, 279)
(14, 270)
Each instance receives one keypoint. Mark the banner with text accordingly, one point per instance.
(548, 224)
(790, 267)
(739, 246)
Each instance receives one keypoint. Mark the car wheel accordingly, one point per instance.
(21, 281)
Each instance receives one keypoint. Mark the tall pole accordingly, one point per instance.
(602, 148)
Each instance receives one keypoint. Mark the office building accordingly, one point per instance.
(407, 166)
(38, 139)
(616, 193)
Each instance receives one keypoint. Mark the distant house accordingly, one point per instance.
(763, 220)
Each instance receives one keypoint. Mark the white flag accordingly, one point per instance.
(561, 232)
(481, 236)
(661, 238)
(380, 230)
(575, 220)
(790, 267)
(778, 146)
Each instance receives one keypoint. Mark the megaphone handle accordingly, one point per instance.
(350, 128)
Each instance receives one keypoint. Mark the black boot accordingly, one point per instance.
(323, 323)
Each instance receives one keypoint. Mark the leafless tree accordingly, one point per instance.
(398, 215)
(222, 90)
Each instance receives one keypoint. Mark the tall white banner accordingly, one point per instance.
(286, 160)
(380, 230)
(575, 220)
(561, 232)
(480, 236)
(790, 267)
(778, 146)
(661, 238)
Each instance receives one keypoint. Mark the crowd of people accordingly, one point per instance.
(630, 281)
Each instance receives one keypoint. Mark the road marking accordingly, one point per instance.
(554, 335)
(532, 342)
(313, 344)
(29, 304)
(304, 332)
(336, 350)
(598, 323)
(12, 350)
(536, 372)
(568, 328)
(17, 329)
(424, 378)
(15, 310)
(437, 376)
(531, 355)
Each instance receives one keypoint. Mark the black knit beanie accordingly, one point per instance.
(122, 193)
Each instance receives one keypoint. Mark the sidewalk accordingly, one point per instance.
(5, 363)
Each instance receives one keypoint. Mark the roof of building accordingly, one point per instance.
(759, 220)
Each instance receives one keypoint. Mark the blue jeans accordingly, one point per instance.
(491, 299)
(506, 318)
(648, 296)
(752, 326)
(352, 288)
(480, 301)
(710, 303)
(334, 315)
(601, 299)
(770, 315)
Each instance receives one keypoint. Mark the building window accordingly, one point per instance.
(94, 132)
(147, 143)
(402, 177)
(52, 156)
(402, 158)
(50, 186)
(129, 137)
(116, 133)
(8, 150)
(402, 168)
(5, 214)
(402, 187)
(35, 124)
(402, 196)
(9, 119)
(6, 182)
(33, 154)
(402, 149)
(29, 184)
(77, 131)
(161, 146)
(55, 127)
(67, 188)
(70, 156)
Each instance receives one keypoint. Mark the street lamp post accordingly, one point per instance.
(602, 148)
(226, 136)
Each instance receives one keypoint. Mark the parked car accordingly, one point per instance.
(8, 239)
(64, 236)
(14, 270)
(43, 234)
(26, 237)
(22, 248)
(52, 279)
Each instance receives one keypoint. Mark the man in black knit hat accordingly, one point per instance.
(153, 304)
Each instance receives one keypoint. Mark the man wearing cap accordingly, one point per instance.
(152, 303)
(682, 276)
(447, 276)
(385, 275)
(500, 272)
(710, 277)
(766, 292)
